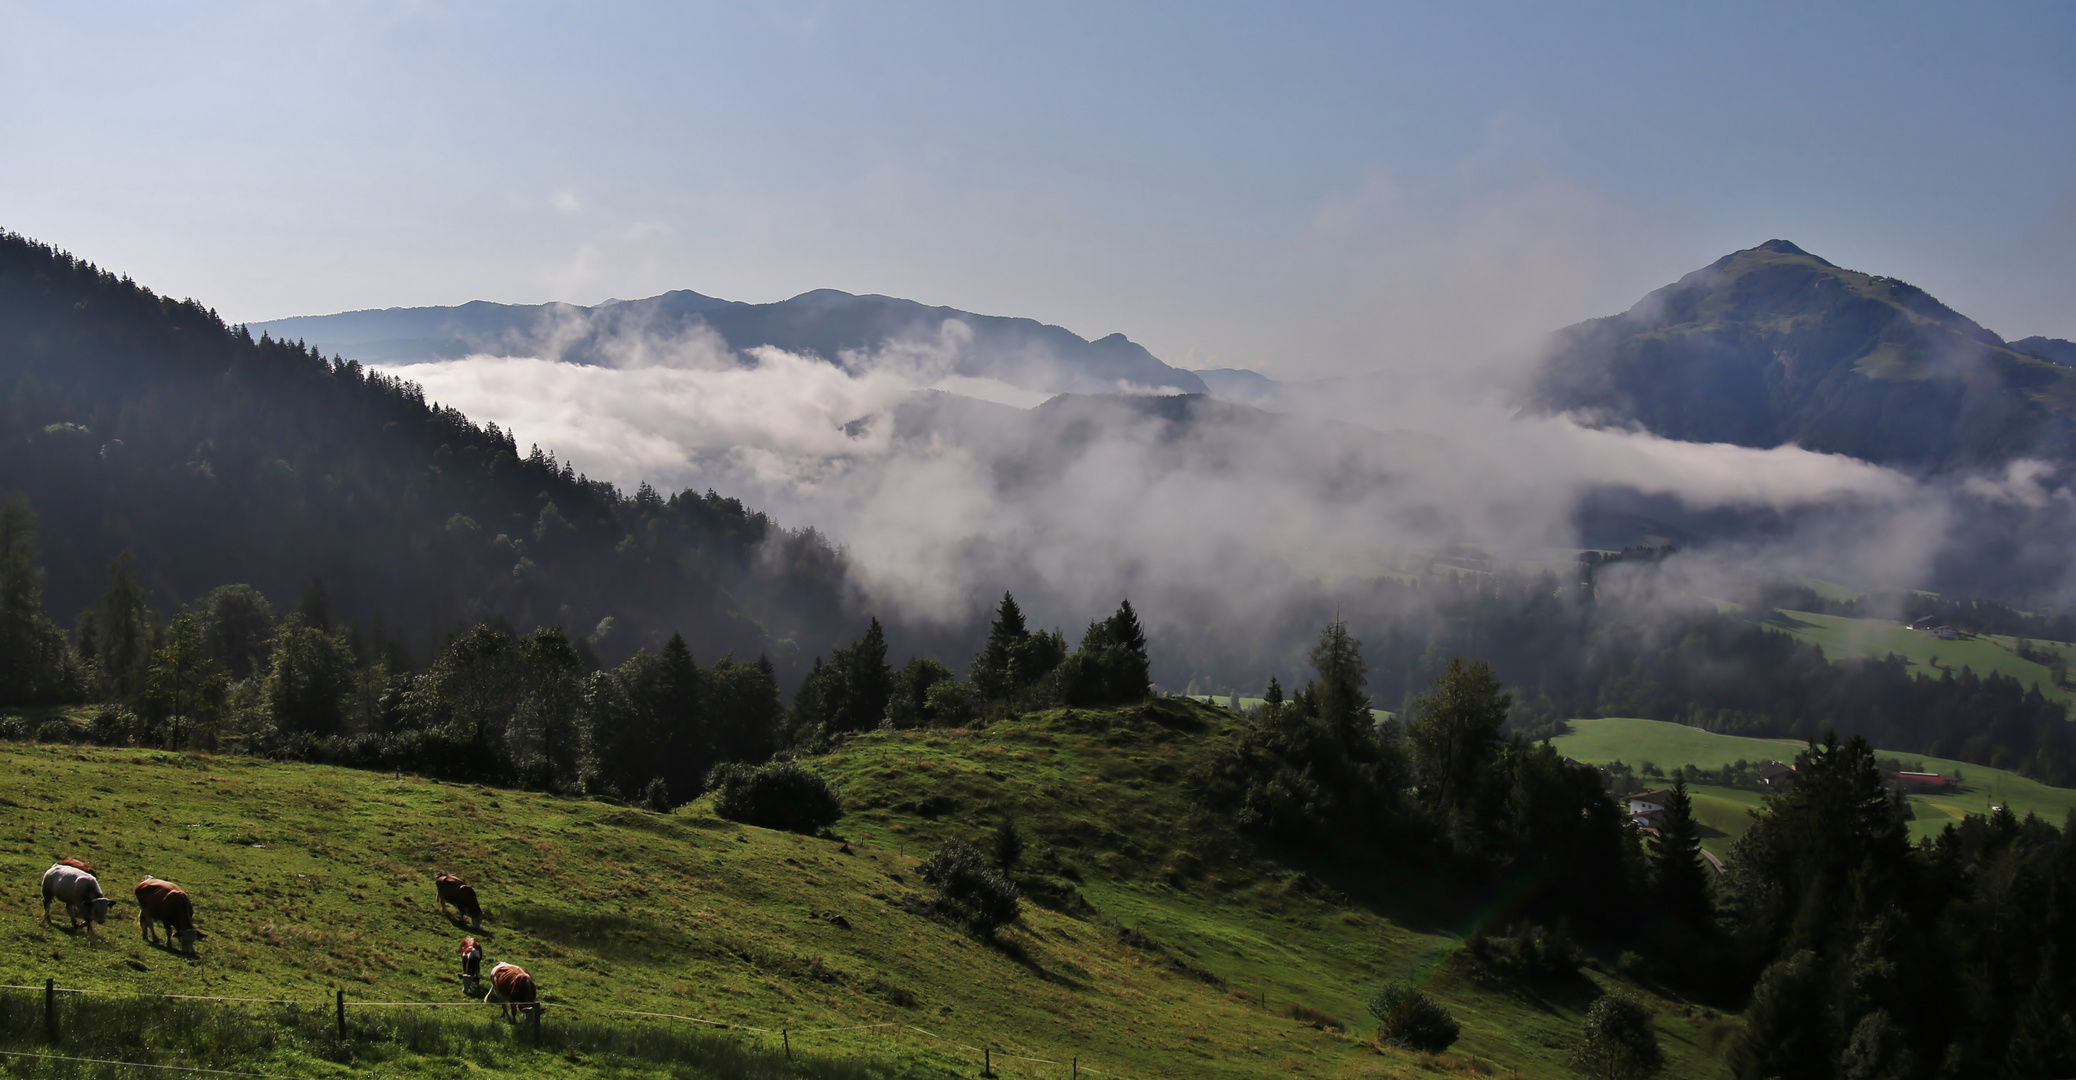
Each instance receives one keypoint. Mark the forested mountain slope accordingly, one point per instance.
(836, 326)
(137, 423)
(1773, 345)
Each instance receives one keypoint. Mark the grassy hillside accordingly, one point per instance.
(1670, 745)
(1841, 638)
(1187, 960)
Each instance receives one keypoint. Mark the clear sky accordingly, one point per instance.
(1297, 188)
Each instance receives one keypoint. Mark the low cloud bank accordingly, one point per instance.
(1217, 519)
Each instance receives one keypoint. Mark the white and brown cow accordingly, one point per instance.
(79, 891)
(512, 988)
(471, 965)
(164, 902)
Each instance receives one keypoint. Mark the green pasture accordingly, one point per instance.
(1669, 745)
(1186, 953)
(1841, 638)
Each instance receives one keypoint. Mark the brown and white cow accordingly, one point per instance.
(512, 988)
(455, 891)
(471, 964)
(164, 902)
(80, 892)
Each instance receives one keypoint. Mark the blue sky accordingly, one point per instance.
(1301, 189)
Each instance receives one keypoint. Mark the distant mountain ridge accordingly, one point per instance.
(1773, 345)
(836, 326)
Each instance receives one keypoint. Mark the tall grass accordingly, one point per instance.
(259, 1038)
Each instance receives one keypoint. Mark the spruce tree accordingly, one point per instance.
(993, 671)
(124, 631)
(37, 667)
(1343, 674)
(1677, 875)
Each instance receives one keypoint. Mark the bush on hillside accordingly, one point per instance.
(1527, 952)
(1414, 1020)
(1619, 1041)
(775, 795)
(969, 891)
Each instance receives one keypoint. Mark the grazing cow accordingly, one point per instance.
(455, 891)
(512, 988)
(471, 964)
(79, 891)
(164, 902)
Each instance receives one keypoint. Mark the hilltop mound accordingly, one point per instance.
(1154, 942)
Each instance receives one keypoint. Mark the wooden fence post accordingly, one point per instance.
(987, 1062)
(342, 1015)
(50, 1010)
(787, 1037)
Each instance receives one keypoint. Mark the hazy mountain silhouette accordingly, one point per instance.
(1773, 345)
(836, 326)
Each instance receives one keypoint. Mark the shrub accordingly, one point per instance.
(1619, 1041)
(1526, 952)
(775, 795)
(1009, 844)
(950, 703)
(1413, 1020)
(657, 795)
(968, 890)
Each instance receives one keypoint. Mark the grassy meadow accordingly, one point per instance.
(1842, 638)
(1177, 950)
(1722, 809)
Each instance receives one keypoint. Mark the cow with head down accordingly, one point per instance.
(471, 964)
(78, 890)
(164, 902)
(512, 988)
(453, 890)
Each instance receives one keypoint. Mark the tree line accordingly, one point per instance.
(534, 709)
(1576, 648)
(1854, 954)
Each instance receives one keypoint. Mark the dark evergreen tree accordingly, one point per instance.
(1454, 732)
(909, 706)
(118, 635)
(184, 686)
(1338, 690)
(1786, 1026)
(1679, 880)
(546, 739)
(237, 624)
(37, 666)
(743, 712)
(994, 672)
(308, 677)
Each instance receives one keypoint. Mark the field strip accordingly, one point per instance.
(142, 1065)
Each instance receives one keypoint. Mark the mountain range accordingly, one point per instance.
(835, 326)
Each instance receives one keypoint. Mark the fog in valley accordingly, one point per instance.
(1232, 527)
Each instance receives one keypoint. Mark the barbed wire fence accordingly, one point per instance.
(987, 1055)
